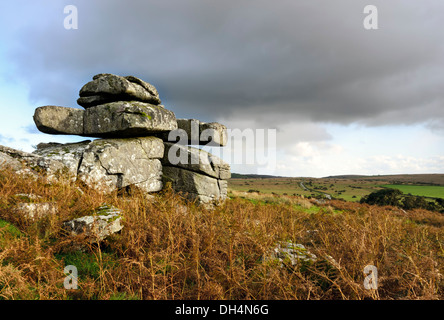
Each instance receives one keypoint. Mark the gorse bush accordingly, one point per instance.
(173, 249)
(394, 197)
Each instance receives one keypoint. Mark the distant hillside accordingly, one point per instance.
(428, 179)
(348, 176)
(252, 176)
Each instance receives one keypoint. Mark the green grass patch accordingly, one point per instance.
(8, 232)
(424, 191)
(88, 264)
(6, 227)
(311, 210)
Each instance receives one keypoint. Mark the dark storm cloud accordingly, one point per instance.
(275, 61)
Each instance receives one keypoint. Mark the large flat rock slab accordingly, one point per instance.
(110, 120)
(59, 120)
(127, 119)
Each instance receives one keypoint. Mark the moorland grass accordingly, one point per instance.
(173, 249)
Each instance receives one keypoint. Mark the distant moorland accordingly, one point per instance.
(346, 187)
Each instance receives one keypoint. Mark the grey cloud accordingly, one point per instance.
(272, 61)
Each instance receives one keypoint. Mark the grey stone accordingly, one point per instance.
(91, 101)
(28, 163)
(110, 164)
(36, 210)
(194, 185)
(69, 154)
(149, 87)
(114, 119)
(213, 132)
(195, 132)
(102, 223)
(196, 160)
(223, 188)
(43, 145)
(108, 87)
(59, 120)
(294, 253)
(127, 119)
(27, 196)
(6, 161)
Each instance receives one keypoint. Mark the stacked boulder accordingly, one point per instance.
(139, 141)
(192, 170)
(115, 107)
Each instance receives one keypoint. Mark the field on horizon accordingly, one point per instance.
(349, 188)
(424, 191)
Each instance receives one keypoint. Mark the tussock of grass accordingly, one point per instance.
(172, 249)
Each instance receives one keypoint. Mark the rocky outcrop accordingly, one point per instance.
(141, 144)
(110, 164)
(134, 147)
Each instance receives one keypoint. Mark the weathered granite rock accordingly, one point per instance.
(195, 185)
(28, 163)
(195, 132)
(7, 161)
(223, 189)
(107, 87)
(126, 113)
(115, 119)
(43, 145)
(147, 86)
(69, 154)
(110, 164)
(36, 210)
(59, 120)
(127, 119)
(213, 134)
(27, 196)
(106, 220)
(196, 160)
(294, 253)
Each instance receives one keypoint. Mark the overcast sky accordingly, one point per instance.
(343, 99)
